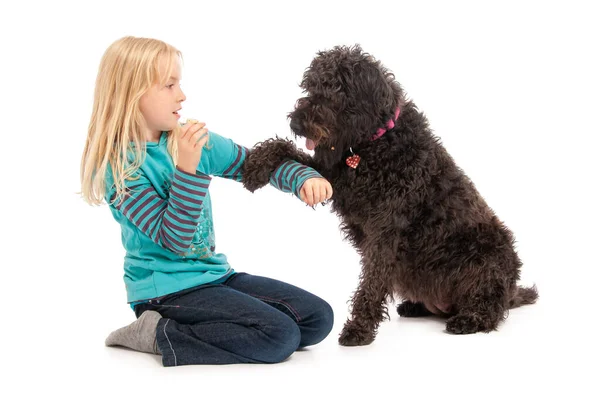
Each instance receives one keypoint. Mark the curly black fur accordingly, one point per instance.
(265, 157)
(423, 231)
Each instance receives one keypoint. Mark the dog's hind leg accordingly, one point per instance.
(413, 309)
(481, 310)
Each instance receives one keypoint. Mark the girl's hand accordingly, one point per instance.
(192, 137)
(315, 191)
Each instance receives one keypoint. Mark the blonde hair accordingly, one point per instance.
(128, 69)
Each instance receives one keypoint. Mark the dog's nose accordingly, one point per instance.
(296, 126)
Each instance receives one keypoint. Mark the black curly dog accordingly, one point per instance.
(422, 230)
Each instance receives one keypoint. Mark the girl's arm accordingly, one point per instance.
(170, 223)
(225, 159)
(290, 177)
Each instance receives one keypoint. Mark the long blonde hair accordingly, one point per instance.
(128, 69)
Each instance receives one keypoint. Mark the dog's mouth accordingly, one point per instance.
(310, 144)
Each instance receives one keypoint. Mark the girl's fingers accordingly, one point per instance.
(328, 191)
(310, 195)
(203, 138)
(199, 138)
(189, 129)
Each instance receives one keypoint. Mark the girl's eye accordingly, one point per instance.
(170, 86)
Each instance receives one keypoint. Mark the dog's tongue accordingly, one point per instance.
(310, 144)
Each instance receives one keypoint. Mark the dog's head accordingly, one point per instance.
(349, 95)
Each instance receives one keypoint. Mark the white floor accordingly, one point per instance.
(548, 349)
(511, 89)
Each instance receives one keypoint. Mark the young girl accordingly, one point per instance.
(192, 308)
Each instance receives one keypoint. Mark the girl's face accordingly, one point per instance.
(161, 103)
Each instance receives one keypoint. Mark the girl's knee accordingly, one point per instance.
(284, 339)
(319, 326)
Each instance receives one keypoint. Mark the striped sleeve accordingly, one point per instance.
(291, 175)
(169, 223)
(227, 161)
(234, 170)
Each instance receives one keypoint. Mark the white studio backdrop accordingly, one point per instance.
(510, 87)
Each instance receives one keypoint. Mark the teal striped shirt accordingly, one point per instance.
(166, 218)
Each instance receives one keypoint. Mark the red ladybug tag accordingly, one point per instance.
(353, 161)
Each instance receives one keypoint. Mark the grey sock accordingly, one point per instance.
(139, 335)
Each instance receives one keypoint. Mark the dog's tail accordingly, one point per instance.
(524, 296)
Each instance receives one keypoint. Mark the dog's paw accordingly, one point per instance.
(464, 324)
(353, 335)
(412, 309)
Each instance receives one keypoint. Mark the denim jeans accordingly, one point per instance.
(246, 319)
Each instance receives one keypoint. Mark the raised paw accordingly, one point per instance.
(465, 324)
(412, 309)
(353, 335)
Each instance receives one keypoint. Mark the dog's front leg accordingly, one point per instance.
(368, 308)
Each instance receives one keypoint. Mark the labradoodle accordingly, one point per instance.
(422, 230)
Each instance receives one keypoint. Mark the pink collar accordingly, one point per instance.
(353, 160)
(390, 124)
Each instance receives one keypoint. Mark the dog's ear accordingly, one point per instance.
(372, 89)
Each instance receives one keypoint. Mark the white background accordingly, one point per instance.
(512, 90)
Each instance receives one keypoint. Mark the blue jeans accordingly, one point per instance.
(246, 319)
